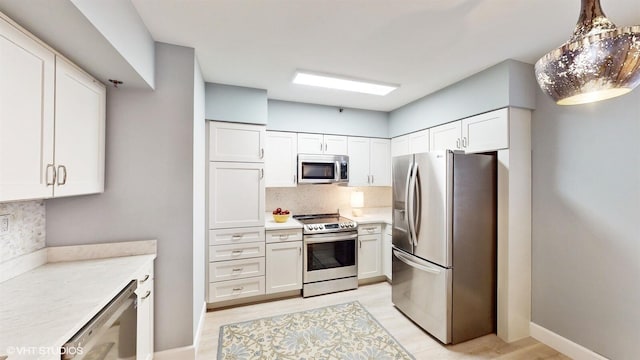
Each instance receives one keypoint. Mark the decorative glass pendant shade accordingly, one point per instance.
(599, 62)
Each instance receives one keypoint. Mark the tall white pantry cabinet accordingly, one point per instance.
(236, 195)
(52, 121)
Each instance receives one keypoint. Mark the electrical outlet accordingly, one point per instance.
(4, 224)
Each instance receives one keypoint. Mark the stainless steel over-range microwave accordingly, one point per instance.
(323, 169)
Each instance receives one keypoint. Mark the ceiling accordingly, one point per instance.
(421, 45)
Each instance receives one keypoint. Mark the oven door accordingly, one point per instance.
(330, 256)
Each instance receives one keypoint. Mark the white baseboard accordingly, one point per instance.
(181, 353)
(185, 352)
(562, 344)
(196, 339)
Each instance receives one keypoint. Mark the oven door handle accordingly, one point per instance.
(328, 238)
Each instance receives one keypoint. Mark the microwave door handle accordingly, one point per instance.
(337, 174)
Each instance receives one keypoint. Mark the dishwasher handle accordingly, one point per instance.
(104, 318)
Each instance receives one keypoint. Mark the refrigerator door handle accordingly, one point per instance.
(418, 197)
(418, 265)
(410, 202)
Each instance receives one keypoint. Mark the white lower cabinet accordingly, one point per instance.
(369, 244)
(236, 289)
(284, 266)
(386, 251)
(144, 292)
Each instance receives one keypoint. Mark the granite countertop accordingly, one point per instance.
(43, 308)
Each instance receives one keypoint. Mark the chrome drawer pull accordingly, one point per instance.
(238, 252)
(146, 295)
(236, 269)
(236, 236)
(146, 277)
(238, 288)
(284, 236)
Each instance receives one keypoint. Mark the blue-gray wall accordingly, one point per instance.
(509, 83)
(311, 118)
(235, 104)
(586, 223)
(149, 189)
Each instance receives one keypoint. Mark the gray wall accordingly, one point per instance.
(235, 104)
(199, 196)
(120, 23)
(149, 188)
(496, 87)
(301, 117)
(586, 223)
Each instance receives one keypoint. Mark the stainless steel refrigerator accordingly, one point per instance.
(444, 242)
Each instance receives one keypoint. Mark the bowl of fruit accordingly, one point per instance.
(280, 216)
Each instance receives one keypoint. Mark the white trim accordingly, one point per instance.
(180, 353)
(562, 344)
(196, 338)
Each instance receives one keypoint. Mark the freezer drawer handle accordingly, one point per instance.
(405, 259)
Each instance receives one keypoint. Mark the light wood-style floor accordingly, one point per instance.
(376, 298)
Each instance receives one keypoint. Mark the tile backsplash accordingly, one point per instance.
(26, 228)
(315, 199)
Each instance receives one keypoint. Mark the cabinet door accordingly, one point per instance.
(486, 132)
(284, 266)
(400, 145)
(236, 195)
(335, 145)
(236, 142)
(144, 339)
(26, 116)
(369, 256)
(80, 131)
(359, 161)
(386, 252)
(280, 161)
(380, 162)
(419, 142)
(445, 137)
(310, 143)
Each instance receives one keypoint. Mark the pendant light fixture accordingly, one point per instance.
(599, 62)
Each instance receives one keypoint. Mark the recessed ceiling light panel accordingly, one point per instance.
(342, 83)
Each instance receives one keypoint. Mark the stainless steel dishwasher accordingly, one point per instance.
(109, 335)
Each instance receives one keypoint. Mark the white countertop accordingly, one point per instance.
(270, 224)
(372, 216)
(43, 308)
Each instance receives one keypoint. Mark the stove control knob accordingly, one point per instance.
(351, 225)
(341, 225)
(315, 227)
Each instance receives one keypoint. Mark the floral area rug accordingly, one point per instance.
(345, 331)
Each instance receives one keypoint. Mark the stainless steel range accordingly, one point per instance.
(330, 254)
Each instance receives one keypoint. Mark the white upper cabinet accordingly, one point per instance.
(280, 163)
(484, 132)
(446, 136)
(80, 132)
(400, 145)
(322, 144)
(26, 116)
(236, 142)
(48, 107)
(369, 162)
(236, 195)
(419, 141)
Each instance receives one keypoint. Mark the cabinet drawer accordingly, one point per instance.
(236, 236)
(235, 252)
(276, 236)
(236, 269)
(369, 229)
(235, 289)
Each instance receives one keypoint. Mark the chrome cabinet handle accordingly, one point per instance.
(64, 177)
(373, 179)
(360, 244)
(261, 153)
(236, 252)
(146, 277)
(284, 236)
(464, 142)
(294, 178)
(236, 269)
(325, 146)
(53, 180)
(321, 146)
(236, 236)
(146, 295)
(300, 251)
(238, 288)
(261, 174)
(458, 143)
